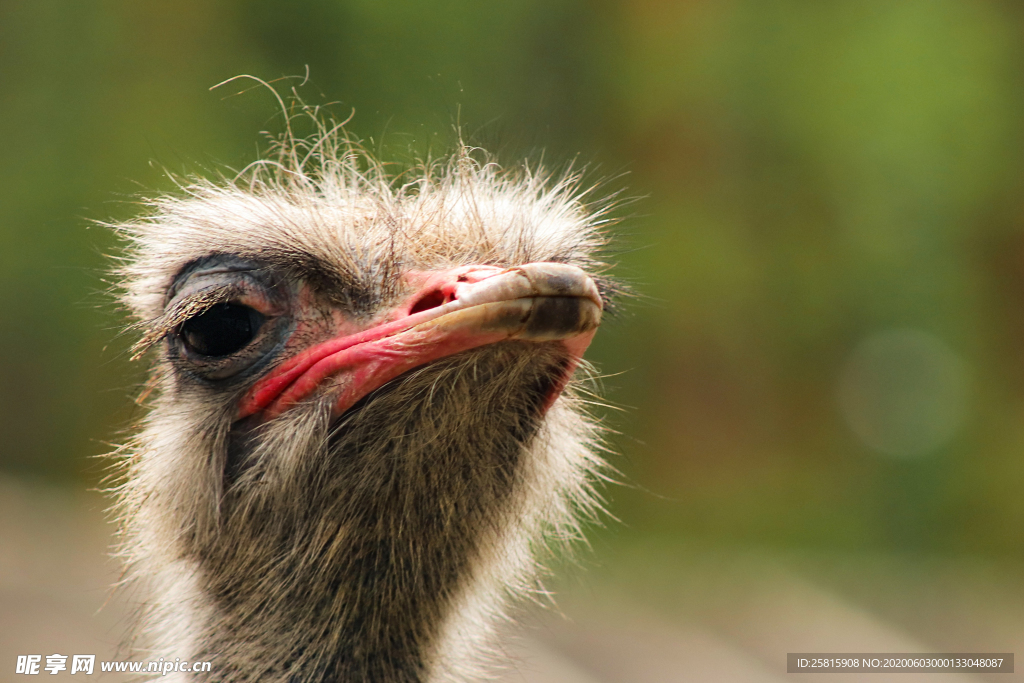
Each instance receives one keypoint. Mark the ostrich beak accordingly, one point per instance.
(451, 311)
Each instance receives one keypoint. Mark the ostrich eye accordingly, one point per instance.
(221, 330)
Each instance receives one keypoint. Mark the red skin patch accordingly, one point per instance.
(456, 310)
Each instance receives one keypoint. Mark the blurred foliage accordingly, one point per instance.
(811, 175)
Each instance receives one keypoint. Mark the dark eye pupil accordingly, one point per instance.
(221, 330)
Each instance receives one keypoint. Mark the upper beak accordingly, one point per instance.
(451, 311)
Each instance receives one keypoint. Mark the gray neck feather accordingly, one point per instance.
(340, 550)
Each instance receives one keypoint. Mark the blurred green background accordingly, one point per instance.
(828, 352)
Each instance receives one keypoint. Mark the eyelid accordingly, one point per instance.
(218, 268)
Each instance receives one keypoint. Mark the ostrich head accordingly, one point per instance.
(362, 429)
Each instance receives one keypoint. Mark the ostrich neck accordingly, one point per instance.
(348, 569)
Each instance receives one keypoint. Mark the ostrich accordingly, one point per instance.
(364, 428)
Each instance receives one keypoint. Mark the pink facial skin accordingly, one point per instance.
(452, 311)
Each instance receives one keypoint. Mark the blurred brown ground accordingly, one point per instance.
(55, 578)
(639, 614)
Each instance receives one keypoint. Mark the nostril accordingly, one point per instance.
(431, 300)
